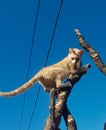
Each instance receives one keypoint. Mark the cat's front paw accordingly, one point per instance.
(64, 85)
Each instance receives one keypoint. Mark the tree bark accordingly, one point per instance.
(92, 52)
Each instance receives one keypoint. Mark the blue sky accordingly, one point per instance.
(87, 101)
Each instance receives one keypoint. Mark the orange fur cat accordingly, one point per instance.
(52, 76)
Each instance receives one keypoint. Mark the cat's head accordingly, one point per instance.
(75, 55)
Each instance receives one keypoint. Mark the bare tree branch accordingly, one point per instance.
(92, 52)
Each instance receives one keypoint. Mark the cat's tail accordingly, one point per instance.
(21, 89)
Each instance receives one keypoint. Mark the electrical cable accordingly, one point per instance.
(52, 37)
(29, 63)
(48, 53)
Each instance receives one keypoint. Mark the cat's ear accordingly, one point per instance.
(71, 50)
(80, 52)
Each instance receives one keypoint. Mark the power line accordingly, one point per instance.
(29, 63)
(51, 42)
(52, 37)
(36, 99)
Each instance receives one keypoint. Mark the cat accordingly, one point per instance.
(52, 76)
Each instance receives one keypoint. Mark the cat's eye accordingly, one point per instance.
(73, 58)
(77, 59)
